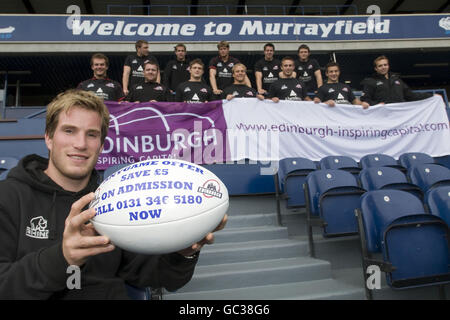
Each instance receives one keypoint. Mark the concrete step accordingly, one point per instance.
(252, 251)
(255, 273)
(326, 289)
(260, 204)
(251, 234)
(251, 220)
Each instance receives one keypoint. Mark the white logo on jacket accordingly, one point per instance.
(38, 228)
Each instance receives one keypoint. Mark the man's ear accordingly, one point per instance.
(48, 142)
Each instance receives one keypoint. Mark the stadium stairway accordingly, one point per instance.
(255, 259)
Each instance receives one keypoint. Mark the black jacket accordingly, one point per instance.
(33, 210)
(378, 89)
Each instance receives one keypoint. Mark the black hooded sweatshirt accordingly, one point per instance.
(378, 89)
(33, 209)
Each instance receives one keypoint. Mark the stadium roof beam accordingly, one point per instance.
(240, 9)
(293, 8)
(444, 6)
(88, 6)
(28, 6)
(194, 4)
(396, 6)
(145, 7)
(344, 9)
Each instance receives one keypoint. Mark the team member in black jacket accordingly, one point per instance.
(385, 87)
(44, 225)
(239, 89)
(150, 90)
(177, 71)
(288, 87)
(220, 67)
(195, 90)
(308, 70)
(267, 69)
(103, 87)
(333, 91)
(133, 69)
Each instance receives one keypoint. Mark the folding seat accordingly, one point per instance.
(331, 198)
(4, 174)
(110, 170)
(387, 178)
(428, 176)
(437, 201)
(341, 163)
(410, 159)
(7, 163)
(413, 246)
(379, 160)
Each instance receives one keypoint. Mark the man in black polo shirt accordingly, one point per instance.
(333, 91)
(177, 71)
(133, 69)
(308, 70)
(220, 75)
(100, 84)
(239, 89)
(267, 69)
(195, 90)
(150, 90)
(288, 87)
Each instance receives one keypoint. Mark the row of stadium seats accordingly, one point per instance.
(402, 218)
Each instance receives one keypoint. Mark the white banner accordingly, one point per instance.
(264, 130)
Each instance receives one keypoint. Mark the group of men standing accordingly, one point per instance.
(288, 79)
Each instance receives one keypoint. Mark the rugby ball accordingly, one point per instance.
(159, 206)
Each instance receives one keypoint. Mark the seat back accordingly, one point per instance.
(333, 196)
(4, 174)
(110, 170)
(339, 162)
(438, 202)
(428, 175)
(292, 174)
(410, 159)
(138, 293)
(7, 163)
(378, 160)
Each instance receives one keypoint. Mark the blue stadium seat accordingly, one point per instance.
(138, 293)
(438, 202)
(410, 159)
(387, 178)
(291, 175)
(427, 176)
(341, 163)
(379, 160)
(443, 161)
(7, 163)
(113, 169)
(331, 198)
(4, 174)
(414, 245)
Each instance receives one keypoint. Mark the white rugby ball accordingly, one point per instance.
(159, 206)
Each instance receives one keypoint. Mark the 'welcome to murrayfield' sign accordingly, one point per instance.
(79, 28)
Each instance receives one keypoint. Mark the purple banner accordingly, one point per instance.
(164, 130)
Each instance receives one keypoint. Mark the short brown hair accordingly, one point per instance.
(100, 56)
(197, 61)
(180, 45)
(378, 59)
(79, 98)
(287, 58)
(223, 43)
(139, 43)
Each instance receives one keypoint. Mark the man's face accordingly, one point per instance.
(99, 67)
(143, 50)
(287, 66)
(224, 51)
(150, 72)
(382, 67)
(239, 74)
(75, 145)
(333, 74)
(180, 53)
(196, 71)
(268, 53)
(303, 54)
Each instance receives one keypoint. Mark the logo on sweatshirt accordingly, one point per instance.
(38, 228)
